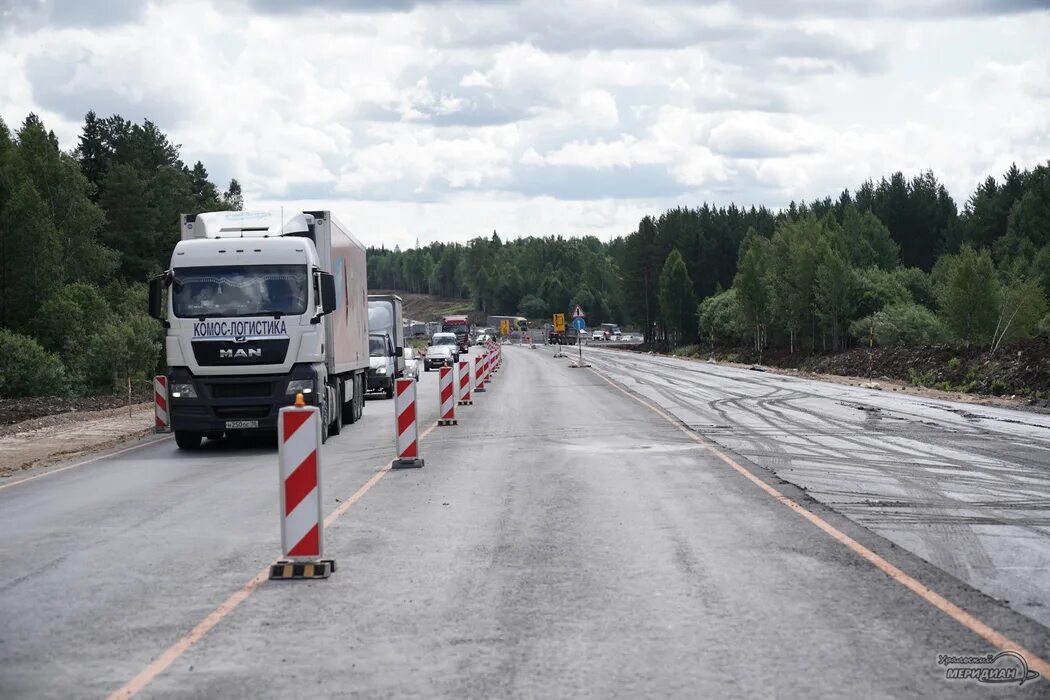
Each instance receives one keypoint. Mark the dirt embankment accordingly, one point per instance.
(426, 307)
(19, 410)
(53, 438)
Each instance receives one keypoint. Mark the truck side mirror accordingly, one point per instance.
(399, 352)
(328, 299)
(156, 288)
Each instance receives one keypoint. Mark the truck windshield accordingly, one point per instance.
(240, 290)
(380, 316)
(377, 346)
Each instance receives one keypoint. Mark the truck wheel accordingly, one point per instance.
(187, 440)
(325, 410)
(360, 398)
(349, 410)
(337, 425)
(390, 390)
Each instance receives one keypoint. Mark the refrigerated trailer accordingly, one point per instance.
(259, 307)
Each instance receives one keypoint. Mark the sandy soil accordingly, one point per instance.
(51, 439)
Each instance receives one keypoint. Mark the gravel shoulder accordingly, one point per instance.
(50, 439)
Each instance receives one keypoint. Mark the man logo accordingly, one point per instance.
(240, 353)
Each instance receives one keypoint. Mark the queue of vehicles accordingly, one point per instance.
(261, 307)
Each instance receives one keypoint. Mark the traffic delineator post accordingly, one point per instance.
(464, 384)
(479, 374)
(299, 487)
(447, 392)
(161, 417)
(406, 424)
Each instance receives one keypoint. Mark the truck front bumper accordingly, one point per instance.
(379, 382)
(226, 403)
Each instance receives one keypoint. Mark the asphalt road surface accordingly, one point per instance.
(965, 487)
(564, 540)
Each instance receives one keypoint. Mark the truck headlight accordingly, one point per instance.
(380, 370)
(299, 386)
(183, 391)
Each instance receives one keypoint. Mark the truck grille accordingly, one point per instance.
(236, 412)
(239, 390)
(213, 353)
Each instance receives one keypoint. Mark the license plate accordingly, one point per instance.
(241, 424)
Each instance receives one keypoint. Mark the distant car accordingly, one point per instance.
(626, 338)
(482, 339)
(438, 356)
(598, 335)
(412, 363)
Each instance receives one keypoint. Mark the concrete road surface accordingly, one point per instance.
(564, 540)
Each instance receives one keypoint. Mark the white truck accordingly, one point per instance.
(386, 342)
(260, 307)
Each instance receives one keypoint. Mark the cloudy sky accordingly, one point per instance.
(433, 120)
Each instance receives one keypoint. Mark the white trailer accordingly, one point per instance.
(260, 307)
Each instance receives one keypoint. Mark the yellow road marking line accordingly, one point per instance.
(81, 464)
(935, 599)
(172, 653)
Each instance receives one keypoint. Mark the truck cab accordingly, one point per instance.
(385, 321)
(382, 370)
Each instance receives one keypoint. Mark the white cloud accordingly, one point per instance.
(538, 117)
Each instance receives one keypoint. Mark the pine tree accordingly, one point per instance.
(677, 300)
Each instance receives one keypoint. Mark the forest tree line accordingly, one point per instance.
(893, 262)
(80, 234)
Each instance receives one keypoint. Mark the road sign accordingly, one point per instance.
(504, 327)
(559, 323)
(578, 312)
(578, 323)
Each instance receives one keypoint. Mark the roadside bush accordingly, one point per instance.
(901, 324)
(687, 351)
(919, 285)
(1044, 326)
(877, 288)
(123, 346)
(718, 318)
(26, 369)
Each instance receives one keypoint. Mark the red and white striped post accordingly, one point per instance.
(161, 417)
(302, 524)
(479, 374)
(406, 424)
(464, 384)
(447, 392)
